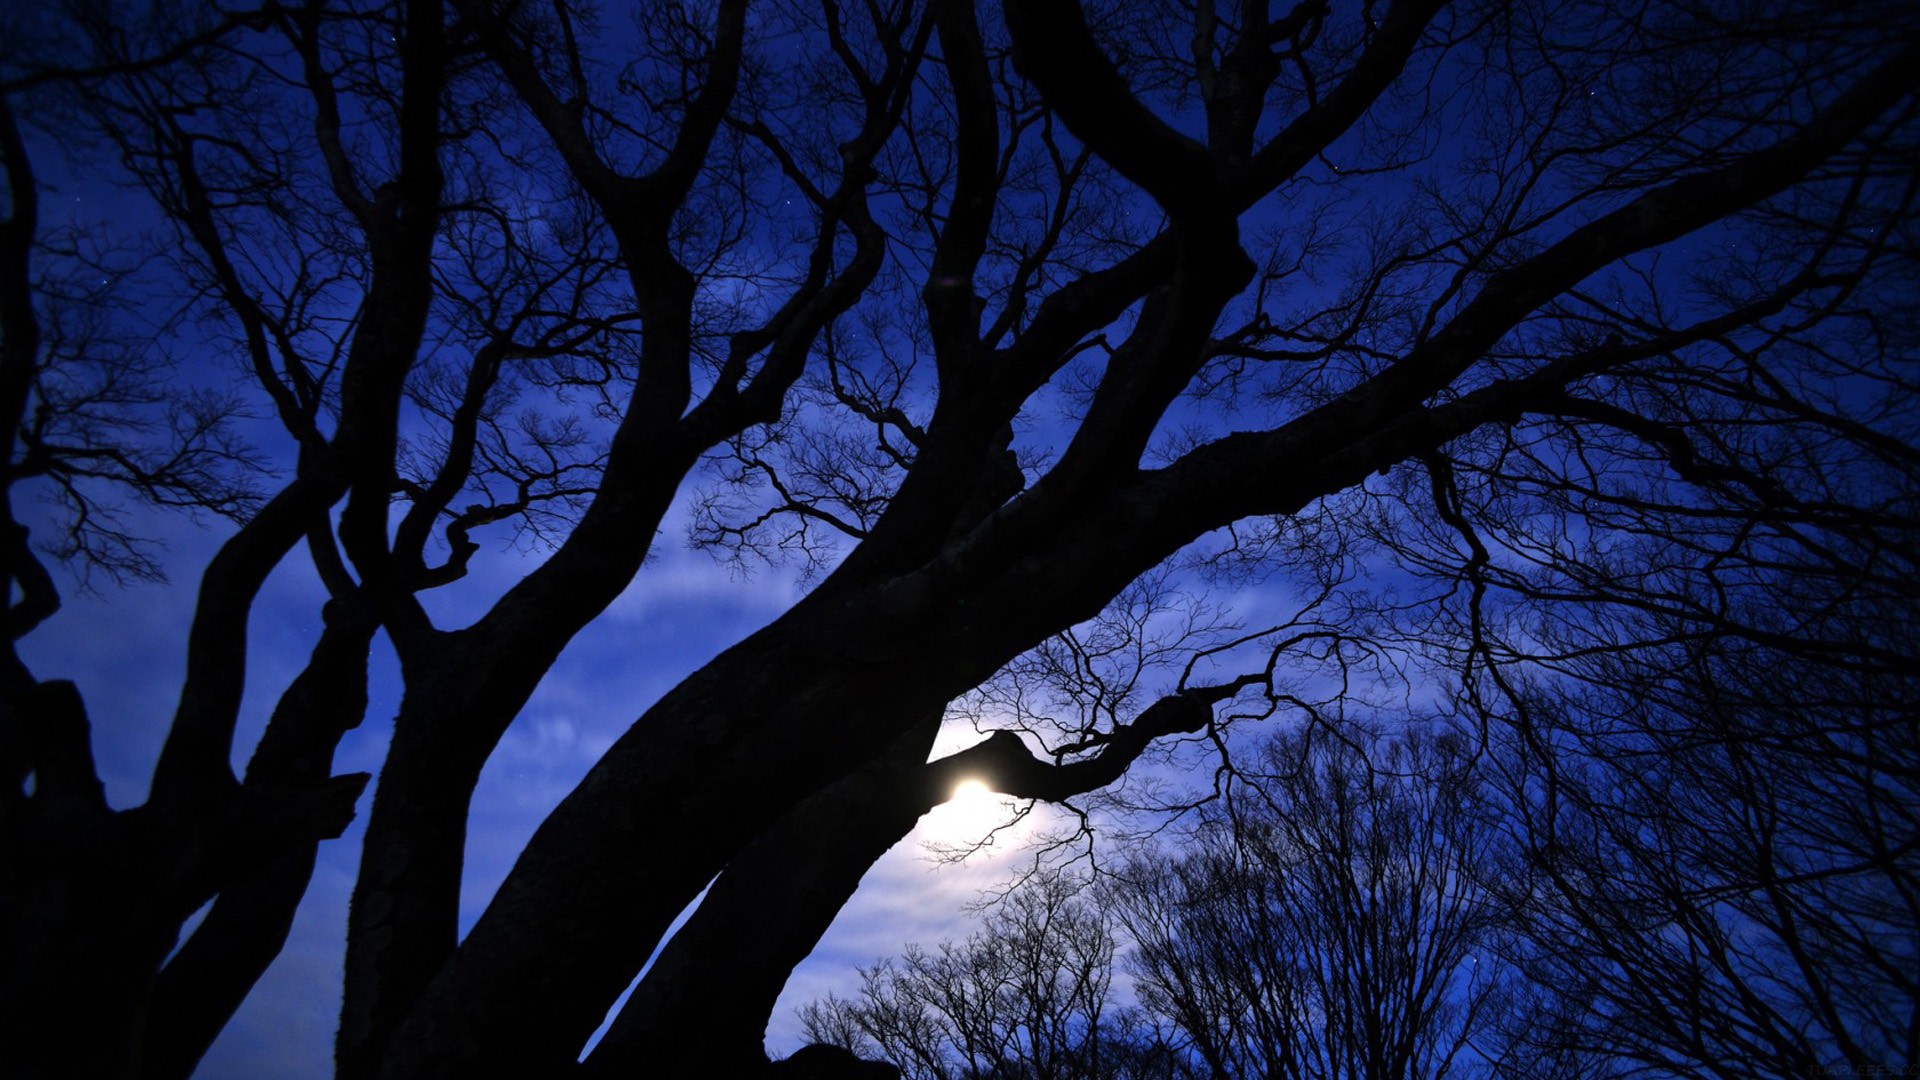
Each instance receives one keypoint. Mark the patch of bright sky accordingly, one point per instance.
(910, 895)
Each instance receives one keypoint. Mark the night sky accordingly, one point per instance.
(124, 646)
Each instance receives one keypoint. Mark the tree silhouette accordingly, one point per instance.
(1332, 921)
(981, 314)
(1028, 995)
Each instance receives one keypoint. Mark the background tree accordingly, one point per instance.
(1334, 918)
(1722, 858)
(984, 313)
(1028, 995)
(1335, 915)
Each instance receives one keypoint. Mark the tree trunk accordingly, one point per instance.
(205, 982)
(703, 773)
(703, 1007)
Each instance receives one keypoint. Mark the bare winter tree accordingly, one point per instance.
(1721, 839)
(1341, 912)
(1028, 995)
(983, 313)
(1336, 920)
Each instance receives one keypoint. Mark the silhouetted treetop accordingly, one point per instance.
(1120, 378)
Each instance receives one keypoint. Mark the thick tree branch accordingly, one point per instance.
(952, 306)
(194, 764)
(1306, 136)
(1092, 301)
(206, 980)
(1056, 51)
(814, 857)
(19, 363)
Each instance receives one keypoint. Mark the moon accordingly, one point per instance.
(973, 811)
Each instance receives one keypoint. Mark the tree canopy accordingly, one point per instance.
(1128, 380)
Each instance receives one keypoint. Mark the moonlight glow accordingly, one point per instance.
(974, 811)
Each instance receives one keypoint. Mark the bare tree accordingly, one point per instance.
(1335, 920)
(984, 313)
(1723, 864)
(1028, 995)
(1339, 913)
